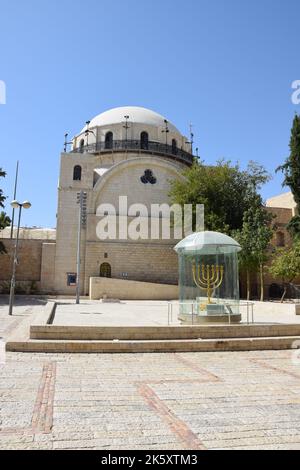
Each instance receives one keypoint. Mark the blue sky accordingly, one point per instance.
(224, 65)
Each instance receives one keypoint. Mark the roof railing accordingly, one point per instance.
(136, 145)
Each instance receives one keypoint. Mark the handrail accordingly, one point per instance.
(136, 145)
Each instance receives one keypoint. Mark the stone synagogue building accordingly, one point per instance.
(128, 151)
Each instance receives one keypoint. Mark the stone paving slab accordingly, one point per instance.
(247, 400)
(171, 401)
(153, 313)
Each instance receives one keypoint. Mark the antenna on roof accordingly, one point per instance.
(191, 141)
(126, 127)
(66, 143)
(88, 132)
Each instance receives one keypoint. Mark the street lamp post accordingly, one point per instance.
(16, 205)
(82, 214)
(15, 195)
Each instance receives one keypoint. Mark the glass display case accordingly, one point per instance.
(208, 278)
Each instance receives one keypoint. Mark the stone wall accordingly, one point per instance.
(130, 290)
(137, 262)
(48, 267)
(28, 273)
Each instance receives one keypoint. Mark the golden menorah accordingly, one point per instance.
(208, 277)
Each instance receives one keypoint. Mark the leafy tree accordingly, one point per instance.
(286, 265)
(255, 237)
(259, 222)
(4, 219)
(291, 171)
(226, 191)
(247, 260)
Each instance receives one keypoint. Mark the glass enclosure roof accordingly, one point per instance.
(207, 243)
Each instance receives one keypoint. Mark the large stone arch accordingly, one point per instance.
(124, 179)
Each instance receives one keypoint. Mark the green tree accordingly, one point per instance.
(286, 265)
(259, 222)
(255, 237)
(226, 191)
(4, 219)
(247, 260)
(291, 172)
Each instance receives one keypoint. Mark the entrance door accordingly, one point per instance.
(105, 270)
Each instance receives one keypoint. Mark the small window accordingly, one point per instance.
(105, 270)
(174, 147)
(81, 145)
(280, 241)
(77, 173)
(71, 279)
(144, 141)
(109, 139)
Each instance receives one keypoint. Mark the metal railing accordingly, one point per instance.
(136, 145)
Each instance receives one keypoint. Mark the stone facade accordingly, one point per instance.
(106, 175)
(110, 158)
(101, 288)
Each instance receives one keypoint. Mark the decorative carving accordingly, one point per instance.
(148, 177)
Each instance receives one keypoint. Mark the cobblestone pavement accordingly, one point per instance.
(152, 313)
(146, 401)
(23, 308)
(150, 401)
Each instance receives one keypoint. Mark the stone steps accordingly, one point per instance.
(153, 345)
(129, 333)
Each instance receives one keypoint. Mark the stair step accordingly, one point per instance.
(154, 345)
(55, 332)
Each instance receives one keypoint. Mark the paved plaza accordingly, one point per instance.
(154, 313)
(245, 400)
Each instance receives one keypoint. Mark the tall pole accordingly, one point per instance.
(192, 138)
(126, 127)
(15, 196)
(87, 133)
(79, 248)
(15, 262)
(166, 130)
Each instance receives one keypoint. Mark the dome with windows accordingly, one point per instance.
(136, 114)
(133, 129)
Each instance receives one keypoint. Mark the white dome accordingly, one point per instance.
(136, 115)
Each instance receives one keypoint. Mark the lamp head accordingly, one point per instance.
(26, 205)
(15, 204)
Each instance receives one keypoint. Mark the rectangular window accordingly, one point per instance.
(71, 279)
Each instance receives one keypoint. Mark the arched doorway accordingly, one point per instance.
(109, 139)
(144, 141)
(105, 270)
(174, 147)
(77, 173)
